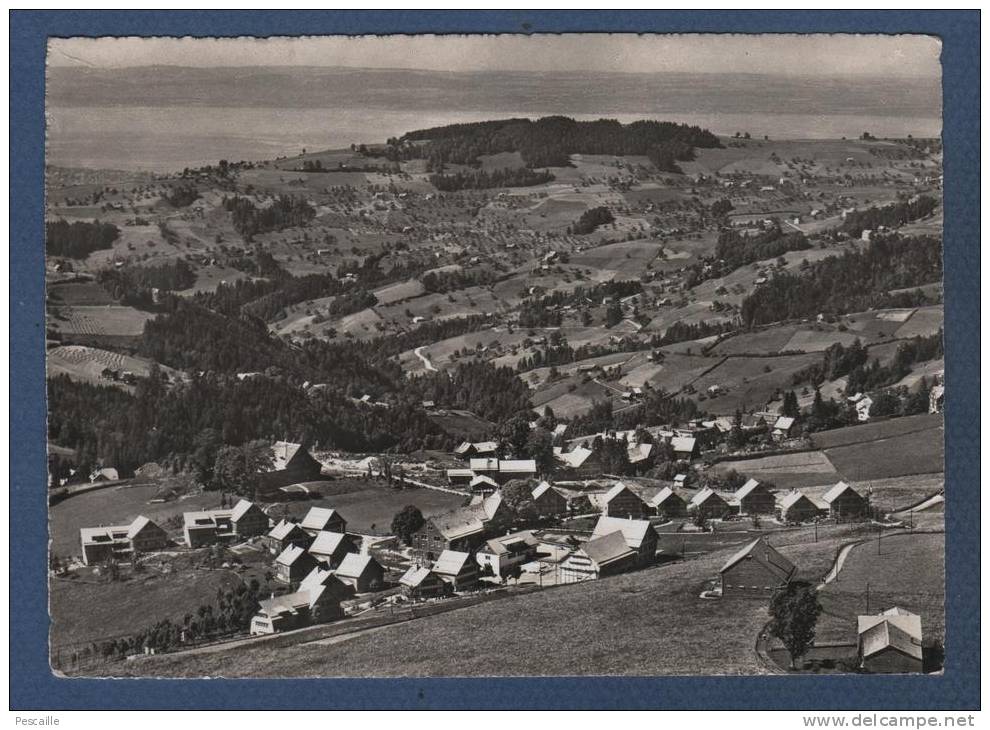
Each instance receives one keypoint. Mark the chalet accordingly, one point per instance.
(754, 498)
(323, 519)
(796, 507)
(500, 554)
(685, 447)
(468, 449)
(597, 558)
(419, 582)
(509, 469)
(708, 504)
(890, 642)
(330, 548)
(639, 453)
(548, 501)
(621, 501)
(579, 463)
(668, 504)
(361, 572)
(756, 570)
(457, 569)
(284, 534)
(317, 601)
(244, 521)
(291, 464)
(783, 428)
(121, 542)
(293, 564)
(638, 534)
(844, 501)
(483, 484)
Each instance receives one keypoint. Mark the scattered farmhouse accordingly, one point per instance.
(293, 564)
(285, 533)
(783, 428)
(844, 501)
(361, 572)
(419, 582)
(291, 464)
(756, 570)
(709, 505)
(890, 642)
(243, 521)
(323, 519)
(457, 569)
(668, 503)
(317, 601)
(121, 542)
(638, 534)
(796, 507)
(330, 548)
(754, 498)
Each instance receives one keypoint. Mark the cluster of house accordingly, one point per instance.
(754, 498)
(121, 542)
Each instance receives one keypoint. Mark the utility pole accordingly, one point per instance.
(879, 535)
(867, 598)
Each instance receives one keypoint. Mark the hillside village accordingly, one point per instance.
(302, 405)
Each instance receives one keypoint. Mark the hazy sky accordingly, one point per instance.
(818, 55)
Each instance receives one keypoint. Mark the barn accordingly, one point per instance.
(843, 502)
(419, 582)
(890, 642)
(547, 501)
(754, 498)
(668, 504)
(361, 572)
(796, 507)
(330, 548)
(621, 501)
(638, 534)
(457, 569)
(756, 570)
(709, 505)
(597, 558)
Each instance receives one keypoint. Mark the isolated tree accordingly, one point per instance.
(406, 521)
(514, 434)
(237, 469)
(517, 495)
(794, 611)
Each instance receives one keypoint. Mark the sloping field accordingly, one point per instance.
(398, 292)
(627, 260)
(908, 571)
(817, 339)
(78, 293)
(86, 363)
(920, 452)
(766, 341)
(787, 471)
(925, 321)
(749, 382)
(877, 430)
(107, 320)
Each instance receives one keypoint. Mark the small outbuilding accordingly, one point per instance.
(890, 642)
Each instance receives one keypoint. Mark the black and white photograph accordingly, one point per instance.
(507, 355)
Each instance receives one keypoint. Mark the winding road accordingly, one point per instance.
(426, 360)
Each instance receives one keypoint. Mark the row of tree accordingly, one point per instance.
(79, 239)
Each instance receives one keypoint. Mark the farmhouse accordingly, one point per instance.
(844, 501)
(754, 498)
(708, 504)
(457, 569)
(597, 558)
(330, 548)
(638, 534)
(459, 477)
(284, 534)
(317, 601)
(783, 427)
(361, 572)
(668, 503)
(419, 582)
(244, 521)
(323, 519)
(890, 642)
(756, 570)
(463, 529)
(621, 501)
(796, 507)
(547, 501)
(500, 554)
(293, 564)
(483, 484)
(516, 469)
(580, 463)
(685, 447)
(479, 448)
(291, 464)
(121, 542)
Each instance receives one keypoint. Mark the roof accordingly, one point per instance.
(485, 447)
(290, 555)
(240, 509)
(484, 464)
(497, 545)
(140, 522)
(607, 548)
(792, 498)
(544, 487)
(491, 504)
(464, 447)
(746, 489)
(451, 562)
(415, 576)
(327, 543)
(318, 517)
(282, 453)
(662, 496)
(761, 551)
(283, 529)
(517, 466)
(318, 576)
(894, 628)
(482, 479)
(704, 495)
(633, 531)
(576, 458)
(639, 452)
(683, 443)
(353, 565)
(832, 494)
(784, 423)
(459, 473)
(618, 489)
(204, 518)
(459, 523)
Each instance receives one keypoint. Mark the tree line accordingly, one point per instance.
(286, 211)
(79, 239)
(890, 216)
(519, 177)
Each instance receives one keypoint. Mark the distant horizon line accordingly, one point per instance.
(520, 72)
